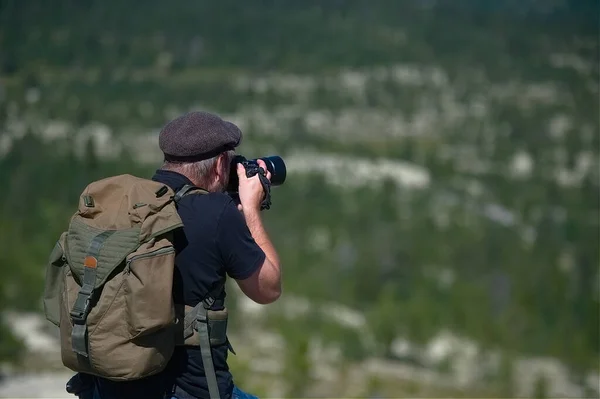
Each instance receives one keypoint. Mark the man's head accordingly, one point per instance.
(200, 146)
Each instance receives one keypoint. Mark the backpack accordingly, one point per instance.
(108, 285)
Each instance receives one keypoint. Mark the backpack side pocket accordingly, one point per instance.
(148, 288)
(54, 282)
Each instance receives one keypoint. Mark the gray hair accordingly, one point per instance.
(199, 171)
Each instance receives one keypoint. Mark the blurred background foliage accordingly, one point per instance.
(491, 106)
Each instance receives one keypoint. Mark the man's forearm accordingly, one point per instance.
(257, 229)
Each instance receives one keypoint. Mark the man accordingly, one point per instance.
(218, 239)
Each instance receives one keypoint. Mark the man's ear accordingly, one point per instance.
(221, 168)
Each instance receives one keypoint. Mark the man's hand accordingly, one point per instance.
(250, 190)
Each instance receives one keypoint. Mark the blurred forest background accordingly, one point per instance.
(439, 225)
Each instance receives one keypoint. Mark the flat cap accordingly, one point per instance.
(196, 136)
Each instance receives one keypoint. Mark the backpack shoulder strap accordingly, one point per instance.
(200, 314)
(187, 189)
(197, 319)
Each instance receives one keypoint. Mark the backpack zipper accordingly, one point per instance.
(160, 251)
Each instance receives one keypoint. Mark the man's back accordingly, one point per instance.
(214, 242)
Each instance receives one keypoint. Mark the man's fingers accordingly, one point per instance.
(263, 165)
(241, 171)
(267, 174)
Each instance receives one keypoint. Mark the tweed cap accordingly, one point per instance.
(198, 135)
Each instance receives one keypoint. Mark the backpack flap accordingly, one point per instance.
(126, 201)
(94, 250)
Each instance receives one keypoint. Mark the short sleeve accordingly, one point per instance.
(241, 254)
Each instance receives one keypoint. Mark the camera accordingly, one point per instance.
(274, 163)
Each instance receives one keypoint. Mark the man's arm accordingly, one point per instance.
(264, 285)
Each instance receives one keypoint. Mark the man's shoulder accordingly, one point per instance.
(210, 199)
(209, 203)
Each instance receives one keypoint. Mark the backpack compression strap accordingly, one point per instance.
(81, 307)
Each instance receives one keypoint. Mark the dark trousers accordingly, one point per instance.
(83, 386)
(237, 393)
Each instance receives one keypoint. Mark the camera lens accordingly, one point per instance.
(276, 166)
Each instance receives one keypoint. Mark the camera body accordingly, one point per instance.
(274, 163)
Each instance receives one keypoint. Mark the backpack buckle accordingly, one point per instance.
(81, 307)
(79, 316)
(208, 302)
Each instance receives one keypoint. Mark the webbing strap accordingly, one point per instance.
(205, 350)
(81, 307)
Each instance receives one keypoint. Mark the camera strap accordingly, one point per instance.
(262, 175)
(266, 203)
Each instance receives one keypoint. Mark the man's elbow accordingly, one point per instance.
(269, 296)
(276, 294)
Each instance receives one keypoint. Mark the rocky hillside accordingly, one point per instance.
(443, 166)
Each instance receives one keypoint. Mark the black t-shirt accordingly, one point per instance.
(214, 242)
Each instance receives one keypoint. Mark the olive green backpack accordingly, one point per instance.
(109, 284)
